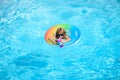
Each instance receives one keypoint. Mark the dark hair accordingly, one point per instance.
(58, 31)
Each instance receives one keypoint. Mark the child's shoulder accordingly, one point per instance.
(66, 36)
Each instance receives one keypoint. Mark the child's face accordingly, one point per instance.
(61, 34)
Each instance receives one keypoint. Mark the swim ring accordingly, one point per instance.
(72, 31)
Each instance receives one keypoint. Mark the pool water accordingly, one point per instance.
(25, 55)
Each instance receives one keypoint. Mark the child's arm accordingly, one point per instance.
(53, 39)
(65, 40)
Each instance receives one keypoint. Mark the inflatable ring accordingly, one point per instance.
(72, 31)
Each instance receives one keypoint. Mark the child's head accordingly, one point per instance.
(60, 33)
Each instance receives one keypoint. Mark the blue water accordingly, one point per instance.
(24, 54)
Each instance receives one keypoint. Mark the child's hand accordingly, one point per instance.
(63, 41)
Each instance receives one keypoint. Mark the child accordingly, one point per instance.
(60, 34)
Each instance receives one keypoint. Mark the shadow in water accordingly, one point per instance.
(35, 59)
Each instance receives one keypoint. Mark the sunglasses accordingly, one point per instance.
(60, 35)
